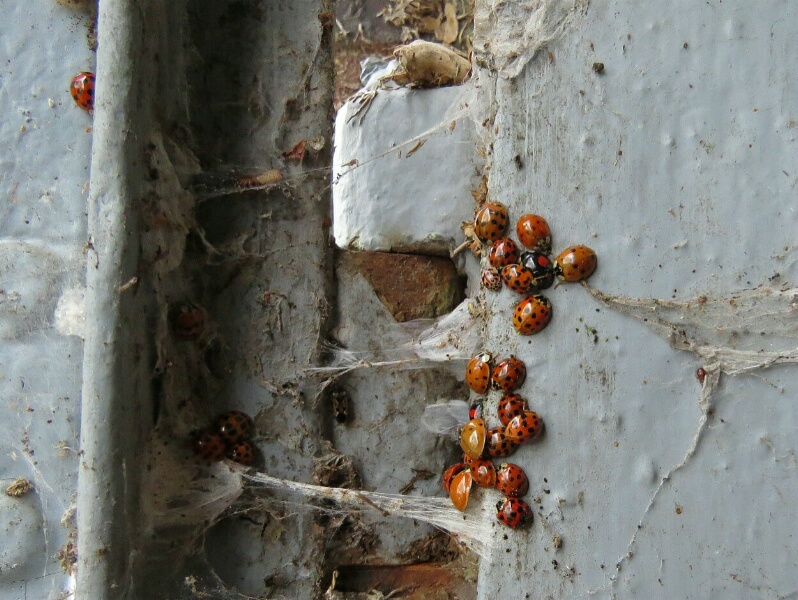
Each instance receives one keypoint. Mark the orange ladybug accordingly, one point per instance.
(575, 263)
(533, 232)
(478, 372)
(472, 438)
(490, 222)
(518, 278)
(460, 489)
(448, 475)
(532, 314)
(524, 427)
(510, 405)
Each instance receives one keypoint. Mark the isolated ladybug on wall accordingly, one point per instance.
(82, 90)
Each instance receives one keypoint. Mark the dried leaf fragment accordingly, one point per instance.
(427, 64)
(415, 147)
(19, 488)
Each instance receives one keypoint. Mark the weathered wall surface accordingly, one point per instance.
(677, 164)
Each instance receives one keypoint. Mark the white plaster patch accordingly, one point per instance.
(70, 312)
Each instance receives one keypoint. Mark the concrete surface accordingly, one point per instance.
(677, 164)
(44, 176)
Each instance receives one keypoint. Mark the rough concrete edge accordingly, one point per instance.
(116, 376)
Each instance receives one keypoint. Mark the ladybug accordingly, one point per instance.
(209, 445)
(575, 263)
(514, 513)
(484, 473)
(460, 489)
(533, 232)
(478, 372)
(542, 268)
(472, 439)
(518, 278)
(524, 427)
(188, 321)
(532, 314)
(701, 375)
(491, 279)
(508, 374)
(82, 90)
(497, 445)
(512, 481)
(448, 475)
(475, 410)
(510, 406)
(234, 426)
(243, 453)
(503, 252)
(491, 221)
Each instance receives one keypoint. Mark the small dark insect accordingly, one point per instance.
(598, 67)
(341, 404)
(700, 374)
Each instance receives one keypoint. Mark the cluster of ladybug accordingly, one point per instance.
(530, 271)
(228, 436)
(480, 445)
(82, 90)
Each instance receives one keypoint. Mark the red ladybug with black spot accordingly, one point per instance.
(524, 427)
(575, 263)
(532, 314)
(82, 90)
(510, 406)
(243, 453)
(508, 374)
(514, 513)
(491, 221)
(511, 480)
(518, 278)
(503, 252)
(483, 473)
(234, 426)
(497, 445)
(209, 445)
